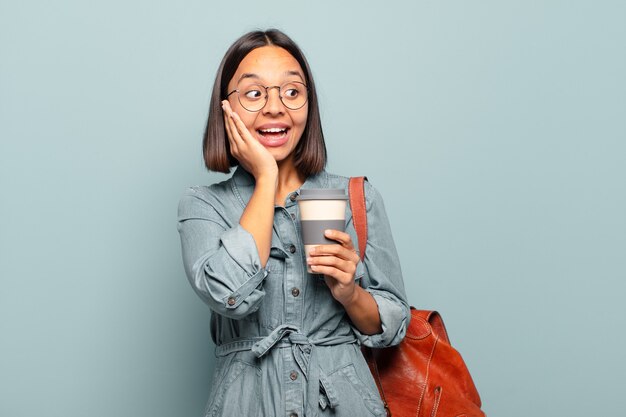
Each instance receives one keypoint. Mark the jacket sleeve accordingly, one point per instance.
(383, 276)
(221, 260)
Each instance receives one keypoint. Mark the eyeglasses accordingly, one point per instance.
(253, 97)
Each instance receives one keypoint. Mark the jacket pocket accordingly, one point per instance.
(355, 399)
(237, 392)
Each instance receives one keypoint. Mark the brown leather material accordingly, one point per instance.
(359, 212)
(424, 376)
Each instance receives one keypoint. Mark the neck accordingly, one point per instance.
(289, 180)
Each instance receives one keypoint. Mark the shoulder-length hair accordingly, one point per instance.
(310, 153)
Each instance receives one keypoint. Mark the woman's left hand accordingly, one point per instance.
(338, 264)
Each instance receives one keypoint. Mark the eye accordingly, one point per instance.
(253, 93)
(291, 91)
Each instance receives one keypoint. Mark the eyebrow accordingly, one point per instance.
(256, 77)
(296, 73)
(248, 75)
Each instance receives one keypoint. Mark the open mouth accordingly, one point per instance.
(273, 132)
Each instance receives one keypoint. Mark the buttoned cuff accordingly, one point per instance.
(393, 318)
(235, 299)
(242, 249)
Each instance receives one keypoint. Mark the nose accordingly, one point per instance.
(274, 104)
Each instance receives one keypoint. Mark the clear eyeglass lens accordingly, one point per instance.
(254, 96)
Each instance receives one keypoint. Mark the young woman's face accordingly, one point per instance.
(275, 126)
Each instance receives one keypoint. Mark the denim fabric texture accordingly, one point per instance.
(285, 347)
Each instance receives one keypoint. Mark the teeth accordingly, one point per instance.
(273, 130)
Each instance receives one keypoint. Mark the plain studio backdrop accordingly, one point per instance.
(495, 131)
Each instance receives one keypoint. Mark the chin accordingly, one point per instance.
(279, 157)
(281, 153)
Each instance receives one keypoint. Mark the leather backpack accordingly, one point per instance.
(423, 376)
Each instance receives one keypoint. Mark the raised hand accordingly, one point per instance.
(253, 156)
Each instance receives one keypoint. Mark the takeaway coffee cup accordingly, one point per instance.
(321, 209)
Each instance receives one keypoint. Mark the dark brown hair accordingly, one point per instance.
(310, 153)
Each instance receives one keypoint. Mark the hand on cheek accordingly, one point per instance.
(253, 156)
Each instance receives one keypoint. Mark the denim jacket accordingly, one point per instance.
(284, 345)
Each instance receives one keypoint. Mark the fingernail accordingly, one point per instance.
(308, 260)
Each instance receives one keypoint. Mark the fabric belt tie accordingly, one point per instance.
(306, 356)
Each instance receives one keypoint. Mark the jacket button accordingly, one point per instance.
(293, 196)
(295, 292)
(293, 375)
(293, 216)
(292, 248)
(293, 415)
(231, 301)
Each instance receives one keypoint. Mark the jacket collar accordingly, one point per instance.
(243, 185)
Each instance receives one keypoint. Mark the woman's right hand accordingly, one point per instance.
(253, 156)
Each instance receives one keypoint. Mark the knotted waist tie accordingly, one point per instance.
(304, 353)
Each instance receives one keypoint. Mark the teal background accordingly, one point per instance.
(495, 130)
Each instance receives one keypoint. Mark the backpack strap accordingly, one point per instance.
(356, 191)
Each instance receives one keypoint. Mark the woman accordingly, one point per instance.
(287, 342)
